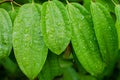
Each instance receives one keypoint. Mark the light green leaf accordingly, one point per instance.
(29, 47)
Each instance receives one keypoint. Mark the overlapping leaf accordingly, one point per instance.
(5, 34)
(51, 68)
(84, 42)
(117, 12)
(105, 32)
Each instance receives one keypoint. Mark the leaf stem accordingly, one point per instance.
(67, 1)
(16, 3)
(114, 2)
(10, 1)
(32, 1)
(12, 7)
(4, 1)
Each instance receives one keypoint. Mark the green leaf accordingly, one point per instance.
(70, 74)
(85, 12)
(86, 77)
(29, 47)
(51, 68)
(5, 34)
(7, 6)
(86, 4)
(105, 32)
(56, 26)
(117, 12)
(9, 65)
(107, 3)
(13, 14)
(84, 42)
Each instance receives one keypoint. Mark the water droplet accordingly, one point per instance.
(82, 17)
